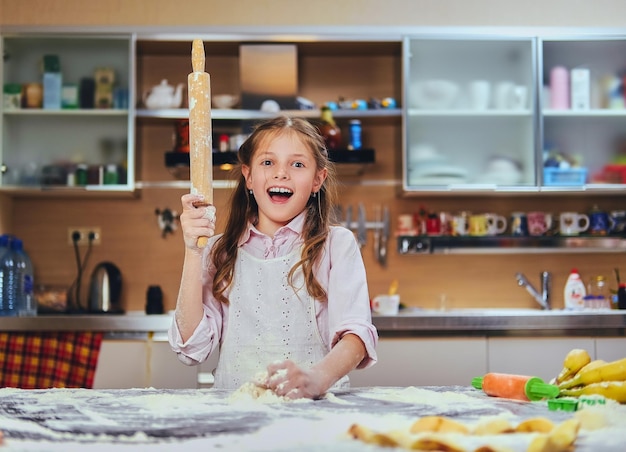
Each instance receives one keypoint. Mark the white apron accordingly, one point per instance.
(267, 321)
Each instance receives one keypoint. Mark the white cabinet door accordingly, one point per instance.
(424, 362)
(142, 363)
(121, 365)
(538, 357)
(483, 90)
(610, 348)
(165, 369)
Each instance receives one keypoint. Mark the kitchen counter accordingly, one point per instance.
(411, 322)
(162, 420)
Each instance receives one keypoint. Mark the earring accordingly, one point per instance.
(314, 194)
(250, 191)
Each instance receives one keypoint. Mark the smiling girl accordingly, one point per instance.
(281, 290)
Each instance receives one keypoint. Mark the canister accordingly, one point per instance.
(355, 134)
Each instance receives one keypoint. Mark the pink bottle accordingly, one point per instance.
(559, 88)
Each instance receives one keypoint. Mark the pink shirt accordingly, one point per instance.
(341, 272)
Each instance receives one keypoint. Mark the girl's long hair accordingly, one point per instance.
(244, 209)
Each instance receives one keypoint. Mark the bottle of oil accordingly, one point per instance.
(329, 129)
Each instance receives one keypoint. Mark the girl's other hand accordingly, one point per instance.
(286, 379)
(197, 221)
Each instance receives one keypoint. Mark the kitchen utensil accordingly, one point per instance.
(434, 94)
(386, 304)
(384, 237)
(518, 387)
(164, 95)
(362, 226)
(200, 141)
(349, 217)
(377, 231)
(225, 101)
(105, 289)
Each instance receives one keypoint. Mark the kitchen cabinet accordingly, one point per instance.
(585, 124)
(470, 122)
(142, 362)
(455, 143)
(39, 147)
(424, 362)
(610, 348)
(329, 68)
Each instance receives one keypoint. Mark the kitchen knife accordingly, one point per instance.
(377, 231)
(362, 227)
(384, 238)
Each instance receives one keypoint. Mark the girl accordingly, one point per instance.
(280, 290)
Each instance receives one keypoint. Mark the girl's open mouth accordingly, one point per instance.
(279, 193)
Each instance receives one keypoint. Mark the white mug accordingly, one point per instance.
(386, 304)
(518, 98)
(573, 223)
(502, 99)
(496, 224)
(479, 94)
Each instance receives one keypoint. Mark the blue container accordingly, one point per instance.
(355, 134)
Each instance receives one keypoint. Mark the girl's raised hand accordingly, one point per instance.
(196, 221)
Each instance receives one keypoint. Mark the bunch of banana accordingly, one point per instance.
(581, 376)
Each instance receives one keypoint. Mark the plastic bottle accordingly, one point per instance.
(9, 282)
(518, 387)
(574, 292)
(25, 292)
(621, 296)
(4, 248)
(355, 135)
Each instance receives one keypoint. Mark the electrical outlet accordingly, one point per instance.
(83, 235)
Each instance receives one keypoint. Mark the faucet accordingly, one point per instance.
(542, 298)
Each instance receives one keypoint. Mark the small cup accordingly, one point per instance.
(519, 224)
(479, 94)
(599, 223)
(496, 224)
(539, 223)
(503, 92)
(573, 223)
(478, 225)
(617, 222)
(406, 225)
(433, 225)
(386, 304)
(459, 226)
(518, 98)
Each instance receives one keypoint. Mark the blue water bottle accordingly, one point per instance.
(25, 292)
(4, 249)
(8, 297)
(355, 134)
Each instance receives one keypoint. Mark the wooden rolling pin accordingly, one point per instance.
(200, 134)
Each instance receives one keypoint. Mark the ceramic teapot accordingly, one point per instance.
(164, 95)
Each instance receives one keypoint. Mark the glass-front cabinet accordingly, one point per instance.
(583, 112)
(471, 114)
(66, 116)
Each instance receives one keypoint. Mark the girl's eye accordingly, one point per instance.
(266, 162)
(298, 164)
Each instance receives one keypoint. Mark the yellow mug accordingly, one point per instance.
(478, 225)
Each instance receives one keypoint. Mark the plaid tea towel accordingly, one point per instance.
(48, 359)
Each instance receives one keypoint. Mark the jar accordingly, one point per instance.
(110, 175)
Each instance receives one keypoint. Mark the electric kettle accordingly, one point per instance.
(105, 289)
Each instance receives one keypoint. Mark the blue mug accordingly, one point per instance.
(598, 223)
(617, 222)
(519, 224)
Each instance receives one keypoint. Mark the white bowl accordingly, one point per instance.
(224, 101)
(434, 94)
